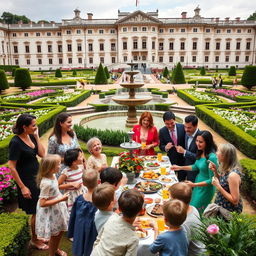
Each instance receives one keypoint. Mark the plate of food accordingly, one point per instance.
(155, 210)
(144, 223)
(150, 175)
(165, 186)
(141, 233)
(148, 187)
(148, 200)
(166, 179)
(150, 158)
(153, 165)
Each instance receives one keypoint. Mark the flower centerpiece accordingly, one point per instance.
(8, 188)
(130, 164)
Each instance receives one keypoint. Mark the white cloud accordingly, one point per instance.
(57, 10)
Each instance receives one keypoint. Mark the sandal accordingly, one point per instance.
(37, 246)
(59, 252)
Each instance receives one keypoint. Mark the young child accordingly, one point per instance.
(52, 214)
(97, 161)
(70, 179)
(173, 241)
(103, 197)
(81, 224)
(183, 192)
(117, 236)
(114, 177)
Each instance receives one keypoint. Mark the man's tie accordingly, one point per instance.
(174, 139)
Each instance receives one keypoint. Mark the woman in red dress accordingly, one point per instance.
(146, 134)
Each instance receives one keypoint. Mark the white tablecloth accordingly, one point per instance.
(143, 249)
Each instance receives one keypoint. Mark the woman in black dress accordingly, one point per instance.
(23, 150)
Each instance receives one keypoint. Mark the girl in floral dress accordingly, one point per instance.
(97, 161)
(52, 214)
(71, 178)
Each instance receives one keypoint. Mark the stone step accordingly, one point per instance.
(80, 110)
(180, 109)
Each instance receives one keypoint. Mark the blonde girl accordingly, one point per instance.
(52, 214)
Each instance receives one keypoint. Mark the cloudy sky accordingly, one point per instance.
(57, 10)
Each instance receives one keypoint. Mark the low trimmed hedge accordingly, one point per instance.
(102, 95)
(107, 137)
(243, 141)
(191, 100)
(44, 123)
(249, 177)
(208, 81)
(163, 106)
(72, 101)
(14, 235)
(8, 68)
(164, 94)
(100, 107)
(62, 82)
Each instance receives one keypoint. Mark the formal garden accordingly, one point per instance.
(228, 110)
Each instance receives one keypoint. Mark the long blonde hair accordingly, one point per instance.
(230, 160)
(47, 164)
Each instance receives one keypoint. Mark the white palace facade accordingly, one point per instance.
(138, 36)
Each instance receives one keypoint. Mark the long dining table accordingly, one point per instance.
(144, 243)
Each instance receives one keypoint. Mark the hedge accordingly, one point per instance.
(249, 177)
(107, 137)
(208, 81)
(44, 123)
(62, 82)
(14, 235)
(71, 102)
(191, 100)
(164, 94)
(100, 107)
(243, 141)
(110, 92)
(8, 68)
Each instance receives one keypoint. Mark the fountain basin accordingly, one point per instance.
(132, 86)
(132, 101)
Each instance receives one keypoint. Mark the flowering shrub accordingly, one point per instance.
(8, 189)
(5, 131)
(61, 98)
(203, 96)
(244, 121)
(235, 237)
(232, 93)
(130, 164)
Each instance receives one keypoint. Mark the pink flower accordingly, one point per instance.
(1, 199)
(213, 229)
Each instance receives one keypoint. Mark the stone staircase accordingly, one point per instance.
(183, 109)
(80, 110)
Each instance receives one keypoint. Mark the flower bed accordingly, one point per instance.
(5, 130)
(193, 97)
(235, 94)
(8, 188)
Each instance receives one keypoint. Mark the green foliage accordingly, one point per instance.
(74, 73)
(234, 238)
(233, 134)
(249, 177)
(232, 71)
(3, 81)
(58, 73)
(100, 107)
(107, 137)
(10, 18)
(249, 77)
(164, 94)
(22, 78)
(8, 68)
(202, 71)
(62, 82)
(178, 76)
(162, 106)
(106, 72)
(166, 72)
(100, 77)
(14, 234)
(209, 81)
(13, 72)
(252, 16)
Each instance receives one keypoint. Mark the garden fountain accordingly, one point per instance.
(130, 145)
(132, 101)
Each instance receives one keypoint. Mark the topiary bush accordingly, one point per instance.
(3, 81)
(58, 73)
(249, 77)
(74, 73)
(202, 71)
(22, 78)
(165, 72)
(232, 71)
(106, 72)
(178, 75)
(100, 77)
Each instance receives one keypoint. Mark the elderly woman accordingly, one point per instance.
(97, 161)
(146, 134)
(228, 182)
(23, 150)
(62, 138)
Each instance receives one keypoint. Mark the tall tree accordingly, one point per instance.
(3, 81)
(10, 18)
(100, 77)
(178, 77)
(252, 16)
(249, 77)
(22, 78)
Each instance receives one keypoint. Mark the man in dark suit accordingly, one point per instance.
(189, 152)
(170, 136)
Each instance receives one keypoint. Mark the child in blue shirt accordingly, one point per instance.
(174, 241)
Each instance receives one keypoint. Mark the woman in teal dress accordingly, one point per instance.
(203, 190)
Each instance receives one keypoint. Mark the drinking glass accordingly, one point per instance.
(159, 157)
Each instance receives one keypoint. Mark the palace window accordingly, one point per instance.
(171, 46)
(194, 30)
(15, 48)
(207, 30)
(153, 45)
(227, 45)
(182, 58)
(207, 45)
(26, 48)
(39, 48)
(50, 61)
(135, 45)
(237, 58)
(134, 29)
(161, 30)
(80, 60)
(206, 58)
(60, 61)
(40, 61)
(49, 48)
(90, 47)
(249, 31)
(194, 46)
(125, 58)
(37, 34)
(182, 30)
(171, 30)
(16, 61)
(113, 46)
(78, 31)
(101, 31)
(218, 31)
(182, 45)
(48, 33)
(28, 61)
(248, 45)
(102, 60)
(161, 46)
(113, 60)
(161, 59)
(238, 45)
(14, 34)
(112, 31)
(91, 60)
(238, 31)
(193, 58)
(144, 44)
(79, 47)
(217, 45)
(153, 29)
(69, 47)
(124, 45)
(68, 32)
(89, 31)
(170, 58)
(69, 60)
(228, 30)
(124, 29)
(26, 34)
(59, 48)
(246, 58)
(58, 33)
(144, 29)
(101, 47)
(226, 58)
(217, 58)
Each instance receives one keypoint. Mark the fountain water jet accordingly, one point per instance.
(132, 101)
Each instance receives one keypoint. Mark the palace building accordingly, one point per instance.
(139, 36)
